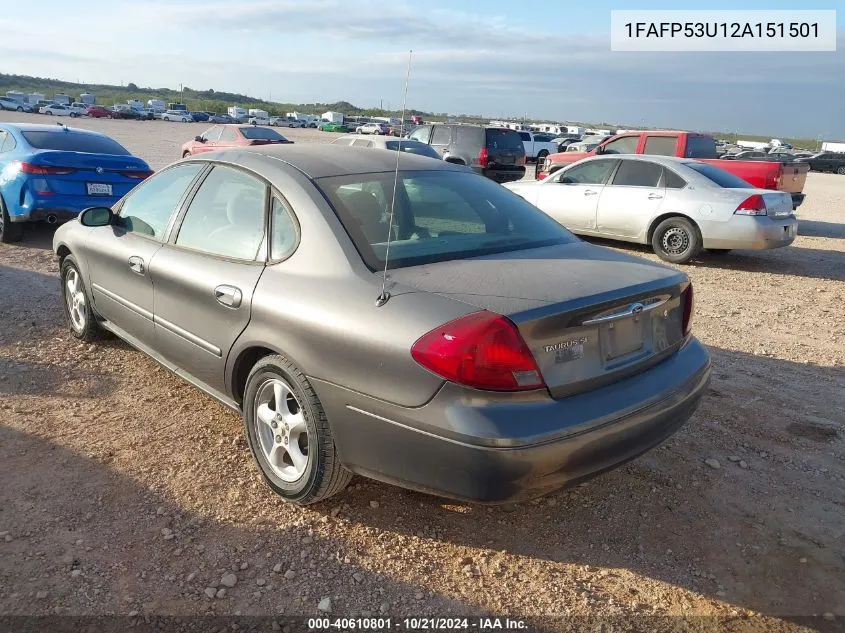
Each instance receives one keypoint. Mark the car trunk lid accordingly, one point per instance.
(89, 174)
(589, 315)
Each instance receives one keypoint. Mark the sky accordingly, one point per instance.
(548, 61)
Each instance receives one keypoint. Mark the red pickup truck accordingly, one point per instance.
(764, 174)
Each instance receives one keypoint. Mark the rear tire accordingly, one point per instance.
(186, 154)
(840, 170)
(9, 231)
(286, 424)
(676, 240)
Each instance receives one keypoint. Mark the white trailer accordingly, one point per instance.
(34, 97)
(258, 113)
(16, 96)
(753, 144)
(61, 98)
(135, 104)
(333, 117)
(156, 105)
(238, 113)
(87, 98)
(833, 146)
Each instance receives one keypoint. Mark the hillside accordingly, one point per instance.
(214, 101)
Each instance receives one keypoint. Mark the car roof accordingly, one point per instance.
(316, 161)
(668, 161)
(42, 127)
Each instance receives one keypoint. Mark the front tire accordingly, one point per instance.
(840, 171)
(676, 240)
(77, 303)
(9, 231)
(20, 109)
(289, 434)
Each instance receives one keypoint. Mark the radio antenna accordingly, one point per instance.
(385, 295)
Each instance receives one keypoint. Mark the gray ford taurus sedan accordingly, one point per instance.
(505, 359)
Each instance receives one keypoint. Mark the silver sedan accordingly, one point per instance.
(679, 206)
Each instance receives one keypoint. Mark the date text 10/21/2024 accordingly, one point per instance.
(418, 624)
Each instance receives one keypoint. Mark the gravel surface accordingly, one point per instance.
(125, 490)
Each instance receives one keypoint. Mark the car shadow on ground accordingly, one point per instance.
(38, 235)
(814, 228)
(34, 378)
(792, 260)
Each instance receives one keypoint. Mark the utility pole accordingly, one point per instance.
(181, 91)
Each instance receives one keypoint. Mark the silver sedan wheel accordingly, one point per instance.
(675, 241)
(281, 430)
(75, 298)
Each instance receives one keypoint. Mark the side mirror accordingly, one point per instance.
(96, 216)
(565, 180)
(199, 139)
(600, 149)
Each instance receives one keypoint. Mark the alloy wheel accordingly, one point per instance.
(281, 430)
(75, 299)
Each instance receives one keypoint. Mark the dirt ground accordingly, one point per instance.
(126, 491)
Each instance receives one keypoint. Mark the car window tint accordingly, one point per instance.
(594, 172)
(226, 216)
(412, 147)
(212, 134)
(719, 176)
(503, 139)
(624, 145)
(525, 136)
(637, 173)
(148, 208)
(67, 141)
(3, 140)
(700, 147)
(283, 229)
(438, 216)
(261, 133)
(660, 145)
(673, 180)
(421, 134)
(228, 135)
(441, 135)
(362, 142)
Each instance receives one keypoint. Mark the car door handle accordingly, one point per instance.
(136, 264)
(228, 296)
(590, 192)
(655, 196)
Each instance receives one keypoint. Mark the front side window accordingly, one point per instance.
(421, 134)
(624, 145)
(212, 135)
(226, 216)
(228, 135)
(637, 173)
(438, 216)
(594, 172)
(148, 208)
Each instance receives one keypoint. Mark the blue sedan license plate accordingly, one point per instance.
(99, 189)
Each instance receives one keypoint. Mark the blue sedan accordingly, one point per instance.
(52, 172)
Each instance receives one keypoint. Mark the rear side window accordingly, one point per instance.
(673, 180)
(63, 141)
(525, 136)
(7, 142)
(212, 134)
(637, 173)
(503, 139)
(226, 216)
(700, 147)
(660, 145)
(467, 136)
(412, 148)
(719, 176)
(441, 135)
(421, 134)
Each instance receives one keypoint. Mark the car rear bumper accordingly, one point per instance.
(797, 199)
(750, 232)
(502, 173)
(58, 208)
(495, 448)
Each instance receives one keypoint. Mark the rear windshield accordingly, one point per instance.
(261, 133)
(719, 176)
(438, 216)
(701, 147)
(413, 147)
(503, 139)
(74, 142)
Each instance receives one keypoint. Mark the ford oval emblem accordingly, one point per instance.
(637, 308)
(99, 170)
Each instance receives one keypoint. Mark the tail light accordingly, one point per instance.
(753, 205)
(482, 350)
(688, 301)
(29, 168)
(140, 175)
(483, 157)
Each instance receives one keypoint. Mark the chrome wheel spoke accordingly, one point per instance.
(281, 430)
(265, 413)
(296, 424)
(297, 457)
